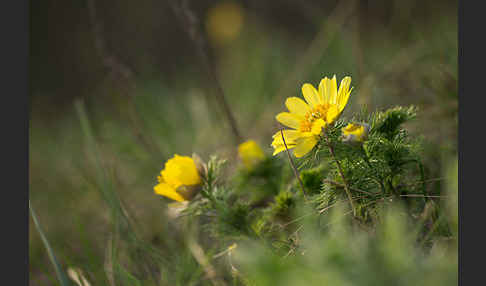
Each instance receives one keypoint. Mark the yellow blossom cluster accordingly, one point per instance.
(181, 177)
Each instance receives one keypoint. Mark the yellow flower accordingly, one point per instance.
(250, 153)
(355, 132)
(178, 179)
(307, 118)
(224, 22)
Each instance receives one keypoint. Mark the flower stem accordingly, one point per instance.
(296, 173)
(346, 187)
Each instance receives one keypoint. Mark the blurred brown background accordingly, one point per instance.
(147, 38)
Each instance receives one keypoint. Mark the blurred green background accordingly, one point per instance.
(147, 97)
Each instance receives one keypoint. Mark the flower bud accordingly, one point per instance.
(250, 153)
(355, 133)
(201, 167)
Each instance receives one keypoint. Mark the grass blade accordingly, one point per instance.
(61, 275)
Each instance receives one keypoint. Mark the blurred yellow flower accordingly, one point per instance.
(179, 177)
(250, 153)
(224, 22)
(355, 132)
(307, 118)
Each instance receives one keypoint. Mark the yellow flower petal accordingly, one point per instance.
(332, 113)
(304, 146)
(289, 135)
(306, 134)
(297, 106)
(310, 94)
(180, 170)
(317, 126)
(333, 90)
(344, 87)
(289, 119)
(166, 190)
(344, 92)
(282, 148)
(344, 100)
(328, 90)
(323, 94)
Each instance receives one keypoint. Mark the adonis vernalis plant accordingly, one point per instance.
(366, 169)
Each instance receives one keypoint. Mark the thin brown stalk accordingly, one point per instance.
(189, 23)
(319, 44)
(328, 207)
(227, 250)
(337, 202)
(346, 213)
(234, 271)
(120, 72)
(296, 173)
(374, 195)
(108, 262)
(346, 186)
(198, 254)
(421, 196)
(295, 220)
(420, 182)
(109, 60)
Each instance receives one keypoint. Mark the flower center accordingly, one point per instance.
(320, 111)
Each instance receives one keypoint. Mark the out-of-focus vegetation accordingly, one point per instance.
(99, 135)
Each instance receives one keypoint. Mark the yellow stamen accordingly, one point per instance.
(318, 112)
